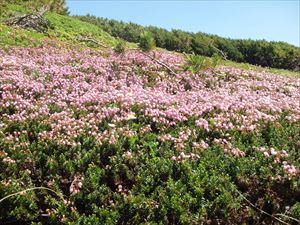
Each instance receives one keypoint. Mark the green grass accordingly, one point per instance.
(11, 36)
(64, 28)
(9, 10)
(248, 66)
(245, 66)
(68, 28)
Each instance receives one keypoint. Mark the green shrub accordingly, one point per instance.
(147, 42)
(257, 52)
(120, 47)
(154, 189)
(216, 59)
(195, 63)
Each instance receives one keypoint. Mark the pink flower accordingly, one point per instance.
(273, 152)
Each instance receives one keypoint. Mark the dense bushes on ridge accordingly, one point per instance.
(269, 54)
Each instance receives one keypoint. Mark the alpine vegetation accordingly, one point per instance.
(96, 130)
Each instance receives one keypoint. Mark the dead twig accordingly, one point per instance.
(160, 63)
(260, 210)
(289, 217)
(88, 39)
(32, 20)
(155, 60)
(31, 189)
(224, 56)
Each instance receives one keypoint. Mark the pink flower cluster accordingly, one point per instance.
(184, 157)
(228, 148)
(279, 157)
(290, 170)
(73, 92)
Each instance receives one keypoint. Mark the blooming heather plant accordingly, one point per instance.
(124, 142)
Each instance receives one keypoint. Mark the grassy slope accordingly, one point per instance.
(63, 28)
(248, 66)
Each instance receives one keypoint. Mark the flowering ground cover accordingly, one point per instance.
(115, 139)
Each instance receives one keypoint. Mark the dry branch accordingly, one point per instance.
(32, 20)
(220, 51)
(262, 211)
(223, 54)
(88, 39)
(160, 63)
(155, 60)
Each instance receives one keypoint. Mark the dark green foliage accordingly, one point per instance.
(195, 63)
(120, 47)
(261, 52)
(146, 42)
(154, 189)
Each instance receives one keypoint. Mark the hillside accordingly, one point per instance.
(62, 28)
(256, 52)
(94, 135)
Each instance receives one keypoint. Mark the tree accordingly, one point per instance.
(147, 42)
(260, 52)
(120, 46)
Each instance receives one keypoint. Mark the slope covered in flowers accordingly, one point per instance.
(122, 141)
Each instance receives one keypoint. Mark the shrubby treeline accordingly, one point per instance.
(257, 52)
